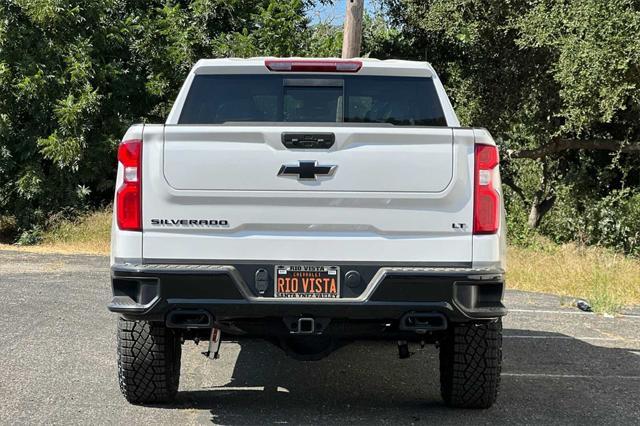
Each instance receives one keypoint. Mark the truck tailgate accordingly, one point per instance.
(213, 194)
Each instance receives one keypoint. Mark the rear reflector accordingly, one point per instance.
(486, 205)
(128, 197)
(311, 65)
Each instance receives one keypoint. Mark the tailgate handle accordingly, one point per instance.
(308, 140)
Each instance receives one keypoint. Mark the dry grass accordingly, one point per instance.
(89, 234)
(606, 279)
(56, 249)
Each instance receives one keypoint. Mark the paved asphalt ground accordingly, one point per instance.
(57, 358)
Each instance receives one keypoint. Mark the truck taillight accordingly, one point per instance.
(486, 200)
(128, 198)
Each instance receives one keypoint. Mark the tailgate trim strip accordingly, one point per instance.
(205, 262)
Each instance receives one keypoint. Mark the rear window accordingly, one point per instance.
(399, 101)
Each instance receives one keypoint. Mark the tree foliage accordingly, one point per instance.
(557, 82)
(74, 74)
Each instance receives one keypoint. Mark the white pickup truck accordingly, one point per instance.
(309, 202)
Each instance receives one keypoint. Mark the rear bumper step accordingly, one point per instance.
(417, 299)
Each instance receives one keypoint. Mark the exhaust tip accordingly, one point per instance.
(421, 322)
(189, 318)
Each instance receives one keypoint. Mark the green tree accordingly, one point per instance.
(275, 29)
(74, 74)
(556, 81)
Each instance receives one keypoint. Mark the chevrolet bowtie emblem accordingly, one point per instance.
(306, 170)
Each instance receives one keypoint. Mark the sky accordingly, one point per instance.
(334, 12)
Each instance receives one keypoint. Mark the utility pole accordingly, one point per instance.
(352, 29)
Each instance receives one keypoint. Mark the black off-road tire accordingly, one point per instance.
(470, 364)
(148, 362)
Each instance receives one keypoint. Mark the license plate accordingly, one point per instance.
(305, 281)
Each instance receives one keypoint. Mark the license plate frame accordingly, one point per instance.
(306, 284)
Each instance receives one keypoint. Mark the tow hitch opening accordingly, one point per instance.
(305, 326)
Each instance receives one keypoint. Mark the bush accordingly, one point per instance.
(611, 221)
(30, 237)
(518, 231)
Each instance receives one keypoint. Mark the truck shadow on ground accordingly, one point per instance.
(547, 378)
